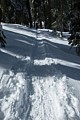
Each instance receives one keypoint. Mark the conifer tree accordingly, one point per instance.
(74, 39)
(29, 12)
(2, 36)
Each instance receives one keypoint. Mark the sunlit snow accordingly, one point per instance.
(39, 77)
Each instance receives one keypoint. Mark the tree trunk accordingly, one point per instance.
(29, 12)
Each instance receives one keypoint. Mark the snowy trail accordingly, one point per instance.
(33, 89)
(39, 97)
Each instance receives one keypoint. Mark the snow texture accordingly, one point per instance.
(39, 77)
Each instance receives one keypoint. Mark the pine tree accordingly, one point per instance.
(2, 36)
(29, 12)
(74, 39)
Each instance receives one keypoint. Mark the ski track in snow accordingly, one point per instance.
(34, 90)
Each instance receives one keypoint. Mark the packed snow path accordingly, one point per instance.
(31, 86)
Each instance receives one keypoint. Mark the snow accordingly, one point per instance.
(39, 77)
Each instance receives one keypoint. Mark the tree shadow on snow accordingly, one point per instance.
(73, 73)
(26, 46)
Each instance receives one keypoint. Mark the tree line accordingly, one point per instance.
(61, 15)
(54, 14)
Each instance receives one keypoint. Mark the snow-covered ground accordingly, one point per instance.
(39, 77)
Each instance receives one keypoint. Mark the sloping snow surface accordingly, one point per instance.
(39, 77)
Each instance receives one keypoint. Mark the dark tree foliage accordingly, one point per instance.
(74, 39)
(2, 36)
(55, 14)
(29, 12)
(59, 15)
